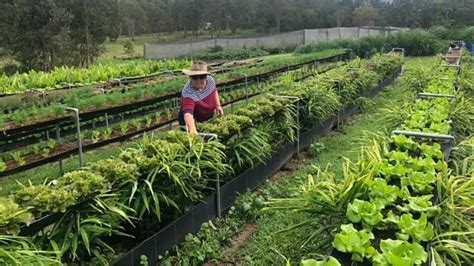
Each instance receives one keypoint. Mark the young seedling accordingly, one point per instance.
(18, 157)
(137, 124)
(106, 133)
(46, 152)
(148, 120)
(124, 128)
(3, 165)
(95, 136)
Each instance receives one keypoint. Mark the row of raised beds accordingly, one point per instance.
(18, 157)
(51, 109)
(100, 209)
(400, 203)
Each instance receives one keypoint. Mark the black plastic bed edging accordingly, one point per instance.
(191, 221)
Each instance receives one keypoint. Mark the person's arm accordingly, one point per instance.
(219, 109)
(189, 120)
(188, 110)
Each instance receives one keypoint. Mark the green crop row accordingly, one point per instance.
(70, 76)
(396, 198)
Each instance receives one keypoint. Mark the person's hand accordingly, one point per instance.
(219, 110)
(193, 132)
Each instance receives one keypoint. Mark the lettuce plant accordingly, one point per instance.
(420, 182)
(421, 204)
(11, 216)
(350, 240)
(381, 192)
(115, 170)
(432, 151)
(418, 230)
(390, 171)
(399, 253)
(83, 184)
(45, 199)
(312, 262)
(369, 213)
(404, 143)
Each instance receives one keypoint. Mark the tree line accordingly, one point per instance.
(42, 34)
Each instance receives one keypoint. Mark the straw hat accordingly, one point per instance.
(198, 68)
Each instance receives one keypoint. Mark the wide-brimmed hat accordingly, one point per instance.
(198, 68)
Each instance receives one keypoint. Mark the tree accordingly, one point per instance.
(364, 15)
(128, 47)
(134, 18)
(33, 33)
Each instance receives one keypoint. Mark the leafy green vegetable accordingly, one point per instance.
(381, 192)
(418, 230)
(421, 182)
(368, 213)
(115, 170)
(83, 184)
(11, 216)
(45, 199)
(390, 171)
(312, 262)
(352, 241)
(400, 253)
(403, 142)
(432, 151)
(422, 204)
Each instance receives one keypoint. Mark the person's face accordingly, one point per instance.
(198, 81)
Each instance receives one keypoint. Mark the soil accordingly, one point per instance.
(236, 242)
(291, 166)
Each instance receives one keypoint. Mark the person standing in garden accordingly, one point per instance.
(199, 98)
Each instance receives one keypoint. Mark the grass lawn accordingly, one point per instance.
(113, 50)
(423, 61)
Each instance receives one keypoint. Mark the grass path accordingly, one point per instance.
(267, 247)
